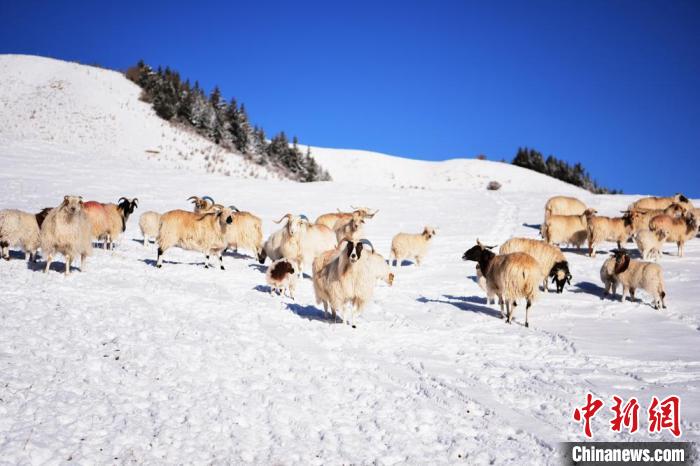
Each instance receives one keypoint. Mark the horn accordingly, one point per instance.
(304, 217)
(233, 207)
(135, 201)
(122, 198)
(368, 243)
(194, 199)
(287, 216)
(208, 197)
(217, 207)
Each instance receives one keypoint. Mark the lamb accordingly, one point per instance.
(202, 204)
(352, 229)
(411, 246)
(149, 222)
(205, 233)
(108, 221)
(563, 205)
(245, 232)
(67, 230)
(554, 264)
(509, 276)
(617, 229)
(281, 277)
(298, 241)
(19, 229)
(650, 243)
(679, 230)
(634, 274)
(652, 203)
(566, 229)
(607, 276)
(331, 219)
(347, 276)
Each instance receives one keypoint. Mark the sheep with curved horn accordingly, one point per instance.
(347, 276)
(108, 220)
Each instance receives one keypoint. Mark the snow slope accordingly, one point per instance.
(127, 363)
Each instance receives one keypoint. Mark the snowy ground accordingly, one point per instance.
(129, 363)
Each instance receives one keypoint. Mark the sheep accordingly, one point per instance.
(563, 205)
(331, 219)
(281, 277)
(617, 229)
(650, 243)
(566, 229)
(679, 230)
(411, 246)
(67, 230)
(19, 229)
(245, 232)
(108, 221)
(554, 264)
(298, 241)
(509, 276)
(634, 274)
(202, 204)
(347, 276)
(205, 233)
(352, 229)
(640, 217)
(149, 222)
(652, 203)
(607, 276)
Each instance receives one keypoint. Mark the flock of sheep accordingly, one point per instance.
(523, 264)
(345, 266)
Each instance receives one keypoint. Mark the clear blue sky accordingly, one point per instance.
(613, 84)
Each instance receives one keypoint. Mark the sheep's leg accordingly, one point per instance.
(291, 292)
(68, 260)
(48, 263)
(662, 293)
(632, 291)
(624, 293)
(418, 259)
(680, 249)
(545, 284)
(159, 260)
(5, 250)
(82, 262)
(509, 309)
(221, 261)
(527, 311)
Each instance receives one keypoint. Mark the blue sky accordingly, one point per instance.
(612, 84)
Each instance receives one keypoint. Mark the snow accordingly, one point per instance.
(128, 363)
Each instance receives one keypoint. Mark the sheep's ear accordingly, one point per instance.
(682, 198)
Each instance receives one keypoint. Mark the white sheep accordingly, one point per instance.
(203, 204)
(563, 205)
(205, 233)
(634, 274)
(149, 222)
(19, 229)
(108, 221)
(607, 276)
(332, 218)
(411, 246)
(298, 241)
(566, 229)
(653, 203)
(679, 230)
(281, 277)
(245, 232)
(554, 264)
(352, 229)
(346, 277)
(67, 230)
(509, 276)
(599, 228)
(650, 243)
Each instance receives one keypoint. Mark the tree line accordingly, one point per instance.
(223, 122)
(573, 174)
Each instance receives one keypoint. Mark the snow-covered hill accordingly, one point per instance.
(128, 363)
